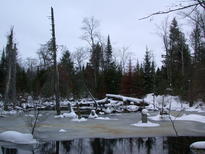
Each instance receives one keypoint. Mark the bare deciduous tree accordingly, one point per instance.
(79, 56)
(90, 31)
(124, 55)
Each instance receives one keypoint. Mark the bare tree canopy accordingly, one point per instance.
(90, 32)
(194, 5)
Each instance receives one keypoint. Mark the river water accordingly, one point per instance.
(139, 145)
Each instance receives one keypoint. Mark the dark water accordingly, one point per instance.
(141, 145)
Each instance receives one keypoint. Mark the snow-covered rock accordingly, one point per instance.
(93, 115)
(71, 115)
(148, 124)
(62, 131)
(132, 108)
(198, 145)
(108, 110)
(145, 111)
(101, 113)
(17, 137)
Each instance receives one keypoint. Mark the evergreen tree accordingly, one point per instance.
(108, 53)
(95, 63)
(196, 83)
(138, 80)
(177, 61)
(3, 69)
(67, 73)
(148, 73)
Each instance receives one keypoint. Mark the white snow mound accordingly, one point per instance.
(198, 145)
(93, 115)
(17, 137)
(148, 124)
(67, 115)
(79, 120)
(62, 131)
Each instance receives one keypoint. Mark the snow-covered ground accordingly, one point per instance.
(184, 117)
(172, 102)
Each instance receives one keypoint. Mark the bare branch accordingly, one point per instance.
(195, 5)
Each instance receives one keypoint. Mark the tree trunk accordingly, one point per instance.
(56, 74)
(13, 76)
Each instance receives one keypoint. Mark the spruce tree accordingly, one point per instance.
(108, 53)
(148, 72)
(67, 75)
(178, 60)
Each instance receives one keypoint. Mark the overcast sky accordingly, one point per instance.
(118, 18)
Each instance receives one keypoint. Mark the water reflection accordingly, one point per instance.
(141, 145)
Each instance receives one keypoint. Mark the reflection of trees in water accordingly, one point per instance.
(101, 146)
(66, 145)
(149, 144)
(146, 142)
(142, 145)
(8, 151)
(180, 145)
(48, 148)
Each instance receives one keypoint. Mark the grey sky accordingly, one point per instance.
(117, 18)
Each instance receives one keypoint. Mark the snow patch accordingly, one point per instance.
(79, 120)
(62, 131)
(104, 118)
(192, 117)
(162, 117)
(148, 124)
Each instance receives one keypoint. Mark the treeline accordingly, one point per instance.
(182, 72)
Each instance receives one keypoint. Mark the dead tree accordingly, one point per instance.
(10, 90)
(56, 74)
